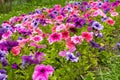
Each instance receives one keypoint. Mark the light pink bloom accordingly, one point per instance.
(60, 27)
(62, 53)
(114, 14)
(54, 37)
(88, 36)
(77, 39)
(37, 38)
(42, 72)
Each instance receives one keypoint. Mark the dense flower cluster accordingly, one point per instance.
(64, 22)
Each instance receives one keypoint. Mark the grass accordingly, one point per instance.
(108, 69)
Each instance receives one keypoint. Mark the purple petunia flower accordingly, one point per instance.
(3, 75)
(7, 45)
(15, 66)
(96, 25)
(70, 56)
(94, 44)
(79, 22)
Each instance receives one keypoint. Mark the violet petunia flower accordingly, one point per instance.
(70, 56)
(15, 66)
(7, 45)
(96, 25)
(94, 44)
(3, 75)
(79, 22)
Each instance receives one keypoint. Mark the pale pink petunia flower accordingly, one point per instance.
(77, 39)
(62, 53)
(114, 14)
(60, 27)
(42, 72)
(37, 38)
(88, 36)
(54, 37)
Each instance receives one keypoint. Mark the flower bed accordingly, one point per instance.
(59, 43)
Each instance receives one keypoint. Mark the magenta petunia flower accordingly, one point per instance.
(54, 37)
(42, 72)
(88, 36)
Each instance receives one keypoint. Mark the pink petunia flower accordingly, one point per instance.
(7, 34)
(16, 50)
(62, 53)
(37, 38)
(70, 44)
(88, 36)
(114, 14)
(65, 35)
(77, 39)
(110, 21)
(54, 37)
(42, 72)
(59, 18)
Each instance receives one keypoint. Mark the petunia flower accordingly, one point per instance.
(42, 72)
(65, 35)
(114, 14)
(54, 37)
(3, 75)
(59, 18)
(88, 36)
(16, 50)
(60, 27)
(96, 25)
(40, 56)
(79, 22)
(70, 44)
(77, 39)
(15, 66)
(110, 21)
(8, 45)
(72, 57)
(62, 53)
(37, 38)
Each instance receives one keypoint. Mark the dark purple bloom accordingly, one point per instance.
(3, 75)
(4, 62)
(94, 44)
(79, 22)
(15, 66)
(7, 45)
(24, 32)
(27, 60)
(2, 31)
